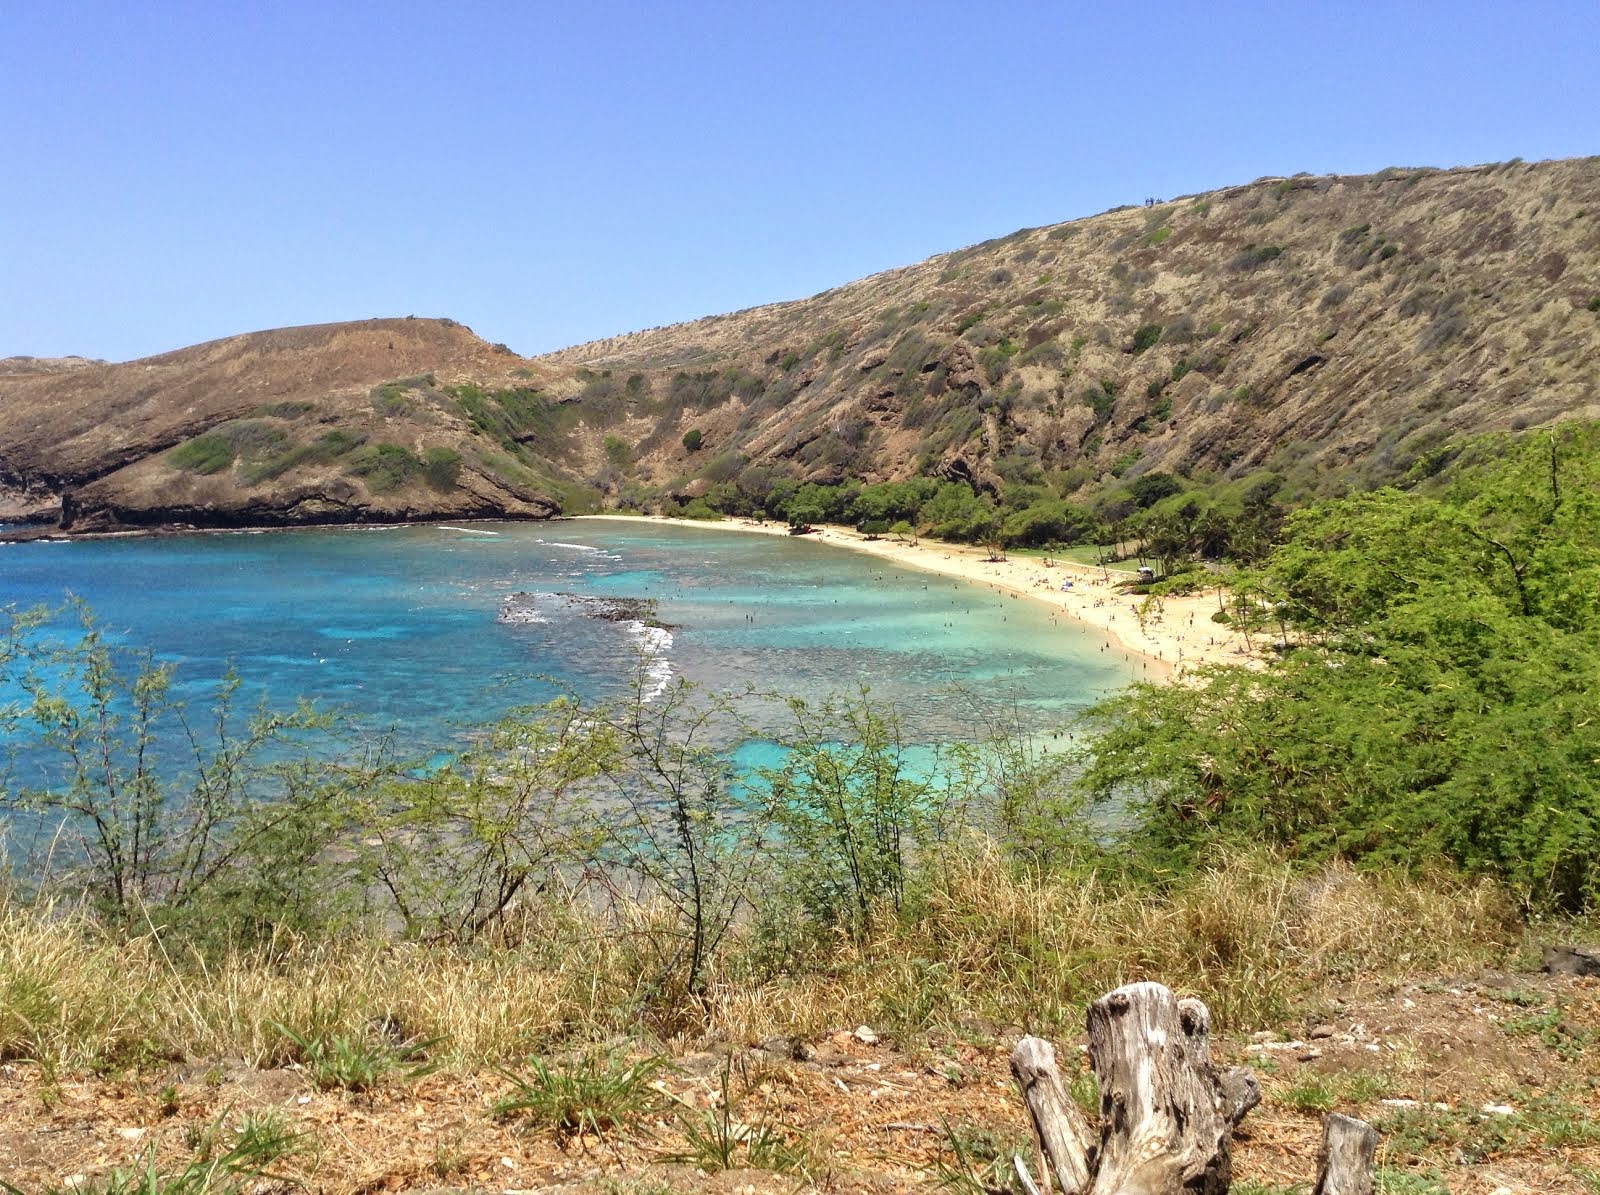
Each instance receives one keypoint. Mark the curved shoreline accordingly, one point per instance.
(1174, 639)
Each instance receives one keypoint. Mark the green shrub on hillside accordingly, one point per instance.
(1433, 697)
(384, 467)
(441, 468)
(1253, 256)
(329, 446)
(210, 453)
(1100, 398)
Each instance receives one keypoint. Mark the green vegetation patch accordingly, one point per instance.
(328, 447)
(441, 468)
(207, 454)
(384, 467)
(1428, 697)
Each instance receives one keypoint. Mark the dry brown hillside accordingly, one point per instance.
(331, 422)
(1314, 322)
(1338, 329)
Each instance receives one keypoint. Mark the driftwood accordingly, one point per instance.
(1167, 1115)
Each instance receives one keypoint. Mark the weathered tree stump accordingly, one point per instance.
(1167, 1115)
(1348, 1149)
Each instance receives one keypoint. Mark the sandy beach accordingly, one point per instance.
(1174, 638)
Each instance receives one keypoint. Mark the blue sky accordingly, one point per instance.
(554, 173)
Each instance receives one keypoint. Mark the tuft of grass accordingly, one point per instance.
(729, 1136)
(358, 1062)
(1311, 1092)
(1389, 1181)
(594, 1092)
(975, 1160)
(257, 1143)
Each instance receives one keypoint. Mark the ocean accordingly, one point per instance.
(429, 632)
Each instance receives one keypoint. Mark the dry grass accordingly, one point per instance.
(980, 945)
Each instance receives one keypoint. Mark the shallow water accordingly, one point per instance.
(400, 628)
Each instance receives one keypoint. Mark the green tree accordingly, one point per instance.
(1435, 698)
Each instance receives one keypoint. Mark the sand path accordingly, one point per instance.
(1176, 637)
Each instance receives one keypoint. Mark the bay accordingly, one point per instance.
(403, 630)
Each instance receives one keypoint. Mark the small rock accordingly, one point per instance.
(1571, 960)
(1399, 1103)
(702, 1063)
(1499, 1110)
(1264, 1035)
(783, 1047)
(828, 1054)
(130, 1134)
(866, 1036)
(1320, 1032)
(1309, 1055)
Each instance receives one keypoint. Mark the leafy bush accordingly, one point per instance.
(384, 467)
(1428, 707)
(329, 446)
(1051, 522)
(1253, 256)
(1146, 337)
(692, 439)
(286, 410)
(441, 468)
(1125, 461)
(1100, 398)
(207, 454)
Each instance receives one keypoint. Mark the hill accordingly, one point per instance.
(369, 421)
(1320, 325)
(1337, 330)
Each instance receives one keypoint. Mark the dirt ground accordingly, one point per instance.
(1482, 1084)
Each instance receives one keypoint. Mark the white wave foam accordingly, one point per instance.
(519, 610)
(654, 643)
(521, 616)
(556, 543)
(467, 530)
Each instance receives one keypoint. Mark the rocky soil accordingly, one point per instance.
(1483, 1084)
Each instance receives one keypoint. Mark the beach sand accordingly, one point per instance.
(1175, 638)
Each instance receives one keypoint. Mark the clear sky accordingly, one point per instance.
(551, 173)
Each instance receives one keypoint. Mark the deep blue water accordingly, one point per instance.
(400, 628)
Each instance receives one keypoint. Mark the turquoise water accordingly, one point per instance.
(402, 629)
